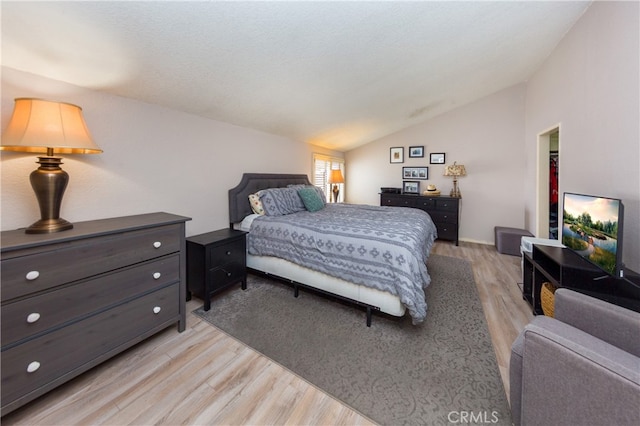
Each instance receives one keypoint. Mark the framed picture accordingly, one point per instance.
(396, 155)
(416, 151)
(421, 173)
(436, 158)
(410, 187)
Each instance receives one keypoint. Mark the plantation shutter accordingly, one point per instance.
(322, 166)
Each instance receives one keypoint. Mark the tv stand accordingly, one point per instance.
(563, 268)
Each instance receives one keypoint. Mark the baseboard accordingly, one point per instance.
(469, 240)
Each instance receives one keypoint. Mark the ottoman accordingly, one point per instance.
(507, 240)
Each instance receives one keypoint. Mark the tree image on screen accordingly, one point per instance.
(590, 228)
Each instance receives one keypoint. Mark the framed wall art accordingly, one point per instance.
(396, 155)
(421, 173)
(416, 151)
(436, 158)
(410, 187)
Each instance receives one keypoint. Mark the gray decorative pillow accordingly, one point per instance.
(281, 201)
(311, 199)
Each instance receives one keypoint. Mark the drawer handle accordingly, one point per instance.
(228, 252)
(157, 244)
(32, 275)
(33, 317)
(33, 367)
(157, 309)
(156, 275)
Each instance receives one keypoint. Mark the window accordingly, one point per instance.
(322, 166)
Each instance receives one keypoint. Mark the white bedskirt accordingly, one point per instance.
(387, 302)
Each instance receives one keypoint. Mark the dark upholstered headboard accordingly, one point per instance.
(239, 206)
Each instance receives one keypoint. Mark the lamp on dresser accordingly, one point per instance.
(51, 128)
(455, 170)
(335, 178)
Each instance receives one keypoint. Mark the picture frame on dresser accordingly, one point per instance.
(410, 187)
(396, 154)
(421, 173)
(437, 158)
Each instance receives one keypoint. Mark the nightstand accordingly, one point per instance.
(216, 260)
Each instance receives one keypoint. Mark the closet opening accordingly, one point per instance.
(548, 184)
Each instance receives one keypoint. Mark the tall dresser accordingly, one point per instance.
(73, 299)
(444, 211)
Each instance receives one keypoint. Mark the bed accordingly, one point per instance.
(389, 279)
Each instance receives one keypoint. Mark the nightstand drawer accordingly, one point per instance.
(71, 349)
(63, 263)
(231, 252)
(227, 274)
(30, 316)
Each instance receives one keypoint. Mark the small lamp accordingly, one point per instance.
(335, 178)
(455, 170)
(48, 127)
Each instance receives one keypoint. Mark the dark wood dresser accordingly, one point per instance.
(73, 299)
(444, 211)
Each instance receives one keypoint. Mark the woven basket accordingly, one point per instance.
(547, 298)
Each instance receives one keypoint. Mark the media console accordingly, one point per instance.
(563, 268)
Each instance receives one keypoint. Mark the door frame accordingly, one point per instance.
(542, 180)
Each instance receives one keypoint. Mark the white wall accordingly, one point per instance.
(155, 159)
(590, 84)
(486, 136)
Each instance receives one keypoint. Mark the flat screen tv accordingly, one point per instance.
(592, 227)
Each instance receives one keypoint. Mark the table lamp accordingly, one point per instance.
(42, 126)
(455, 170)
(335, 178)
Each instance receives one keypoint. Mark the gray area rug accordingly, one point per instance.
(443, 371)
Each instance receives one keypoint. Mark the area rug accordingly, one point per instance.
(443, 371)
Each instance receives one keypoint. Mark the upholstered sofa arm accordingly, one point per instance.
(561, 362)
(613, 324)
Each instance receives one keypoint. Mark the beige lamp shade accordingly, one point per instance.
(455, 170)
(37, 124)
(336, 176)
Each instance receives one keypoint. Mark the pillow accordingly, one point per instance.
(311, 199)
(256, 204)
(319, 190)
(280, 201)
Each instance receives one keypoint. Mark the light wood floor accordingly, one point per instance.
(202, 376)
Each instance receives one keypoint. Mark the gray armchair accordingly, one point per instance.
(581, 367)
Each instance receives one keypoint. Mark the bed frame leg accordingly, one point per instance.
(368, 316)
(296, 291)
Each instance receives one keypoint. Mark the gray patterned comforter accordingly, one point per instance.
(381, 247)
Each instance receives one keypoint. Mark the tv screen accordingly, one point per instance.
(592, 227)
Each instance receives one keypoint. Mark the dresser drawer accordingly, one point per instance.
(444, 216)
(450, 205)
(231, 252)
(395, 200)
(426, 204)
(27, 317)
(65, 262)
(70, 350)
(447, 231)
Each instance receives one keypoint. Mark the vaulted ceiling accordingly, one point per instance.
(335, 74)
